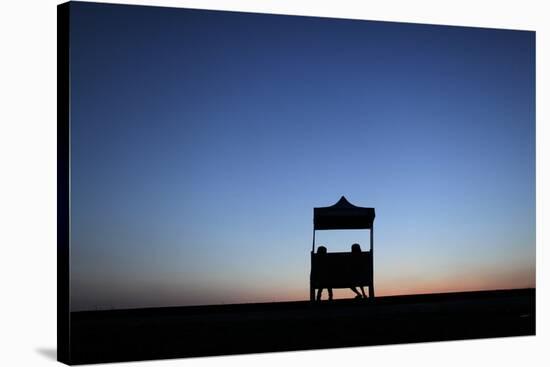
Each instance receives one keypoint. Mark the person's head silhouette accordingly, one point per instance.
(321, 250)
(355, 248)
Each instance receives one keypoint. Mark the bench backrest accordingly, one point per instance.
(341, 269)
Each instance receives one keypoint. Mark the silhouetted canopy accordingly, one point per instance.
(343, 215)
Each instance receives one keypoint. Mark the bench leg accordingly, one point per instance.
(311, 293)
(371, 291)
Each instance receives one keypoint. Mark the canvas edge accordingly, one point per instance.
(63, 184)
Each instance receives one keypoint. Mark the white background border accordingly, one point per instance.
(28, 182)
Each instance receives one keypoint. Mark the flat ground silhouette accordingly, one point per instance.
(172, 332)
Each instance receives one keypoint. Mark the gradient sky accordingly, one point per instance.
(202, 140)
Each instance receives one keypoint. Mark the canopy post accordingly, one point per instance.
(371, 238)
(313, 244)
(311, 289)
(371, 285)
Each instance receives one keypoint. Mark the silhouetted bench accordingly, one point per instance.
(341, 270)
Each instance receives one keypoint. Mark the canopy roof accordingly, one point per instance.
(343, 215)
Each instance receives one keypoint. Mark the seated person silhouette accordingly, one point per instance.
(356, 249)
(322, 250)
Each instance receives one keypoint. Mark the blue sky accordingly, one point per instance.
(201, 141)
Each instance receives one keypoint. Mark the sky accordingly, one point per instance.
(201, 141)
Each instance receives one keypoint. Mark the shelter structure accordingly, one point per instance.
(342, 269)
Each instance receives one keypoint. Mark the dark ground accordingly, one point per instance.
(172, 332)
